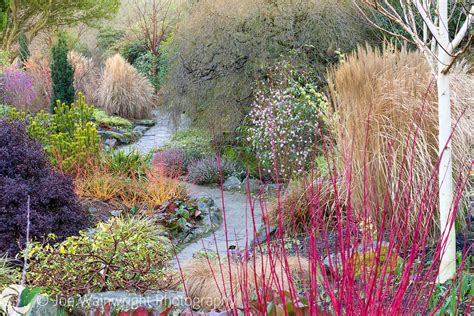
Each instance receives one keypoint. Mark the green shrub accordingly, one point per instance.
(107, 38)
(62, 73)
(122, 254)
(131, 163)
(11, 112)
(196, 143)
(69, 136)
(144, 64)
(103, 118)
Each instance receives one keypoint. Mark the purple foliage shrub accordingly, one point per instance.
(25, 170)
(16, 88)
(208, 170)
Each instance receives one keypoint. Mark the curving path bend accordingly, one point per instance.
(236, 205)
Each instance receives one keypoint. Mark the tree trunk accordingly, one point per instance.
(447, 268)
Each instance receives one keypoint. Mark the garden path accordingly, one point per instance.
(155, 137)
(236, 205)
(238, 215)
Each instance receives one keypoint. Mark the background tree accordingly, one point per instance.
(4, 5)
(154, 23)
(36, 16)
(426, 23)
(24, 51)
(222, 47)
(62, 73)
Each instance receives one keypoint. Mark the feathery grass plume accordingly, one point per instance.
(86, 76)
(386, 102)
(124, 92)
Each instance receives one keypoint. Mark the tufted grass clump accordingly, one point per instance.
(124, 92)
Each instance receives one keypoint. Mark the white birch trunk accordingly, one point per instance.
(448, 259)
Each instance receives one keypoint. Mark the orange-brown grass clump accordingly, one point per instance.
(124, 92)
(306, 198)
(98, 182)
(209, 281)
(386, 103)
(86, 77)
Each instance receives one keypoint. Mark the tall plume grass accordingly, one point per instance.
(382, 99)
(124, 92)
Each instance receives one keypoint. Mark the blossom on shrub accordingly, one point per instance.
(16, 88)
(285, 121)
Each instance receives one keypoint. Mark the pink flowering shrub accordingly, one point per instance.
(285, 121)
(16, 88)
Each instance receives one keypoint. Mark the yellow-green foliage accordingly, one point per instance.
(122, 254)
(102, 118)
(12, 113)
(370, 260)
(69, 136)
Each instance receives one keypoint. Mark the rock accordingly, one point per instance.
(211, 219)
(42, 305)
(115, 213)
(140, 130)
(251, 186)
(232, 183)
(92, 210)
(110, 143)
(204, 201)
(147, 123)
(121, 138)
(272, 188)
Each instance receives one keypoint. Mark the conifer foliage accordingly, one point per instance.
(62, 74)
(24, 51)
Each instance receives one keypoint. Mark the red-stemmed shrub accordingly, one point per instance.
(369, 261)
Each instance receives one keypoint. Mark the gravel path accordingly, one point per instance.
(238, 215)
(236, 205)
(155, 137)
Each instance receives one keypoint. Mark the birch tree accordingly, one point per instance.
(429, 25)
